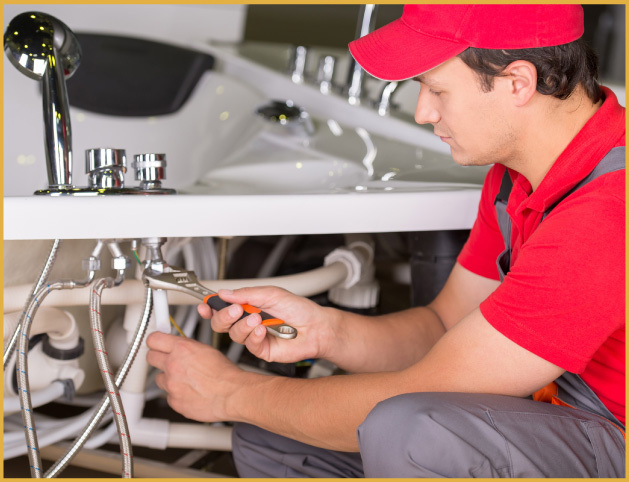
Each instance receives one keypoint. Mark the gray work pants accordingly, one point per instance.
(448, 435)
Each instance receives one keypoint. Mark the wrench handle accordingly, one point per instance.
(218, 304)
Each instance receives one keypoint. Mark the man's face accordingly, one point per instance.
(475, 124)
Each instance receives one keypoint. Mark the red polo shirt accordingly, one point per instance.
(564, 298)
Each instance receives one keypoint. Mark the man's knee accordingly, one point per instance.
(425, 435)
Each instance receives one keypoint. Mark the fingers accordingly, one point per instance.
(257, 342)
(161, 341)
(228, 319)
(240, 331)
(157, 359)
(205, 311)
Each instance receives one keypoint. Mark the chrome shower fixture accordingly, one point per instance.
(44, 48)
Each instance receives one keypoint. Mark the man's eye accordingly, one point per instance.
(435, 92)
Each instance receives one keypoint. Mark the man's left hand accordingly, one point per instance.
(197, 378)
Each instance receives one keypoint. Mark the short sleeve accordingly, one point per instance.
(564, 295)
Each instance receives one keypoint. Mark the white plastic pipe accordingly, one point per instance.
(38, 398)
(59, 324)
(158, 433)
(49, 437)
(199, 436)
(308, 283)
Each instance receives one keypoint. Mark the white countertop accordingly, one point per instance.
(43, 217)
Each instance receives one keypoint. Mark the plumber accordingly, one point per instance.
(517, 368)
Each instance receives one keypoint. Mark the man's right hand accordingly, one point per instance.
(313, 323)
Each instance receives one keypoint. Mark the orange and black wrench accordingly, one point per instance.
(176, 279)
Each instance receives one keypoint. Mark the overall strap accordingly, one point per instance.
(614, 160)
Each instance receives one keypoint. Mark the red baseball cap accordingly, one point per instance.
(428, 35)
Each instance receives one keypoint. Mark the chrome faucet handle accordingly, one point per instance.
(385, 102)
(105, 168)
(150, 170)
(325, 73)
(44, 48)
(297, 64)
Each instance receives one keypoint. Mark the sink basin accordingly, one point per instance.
(294, 176)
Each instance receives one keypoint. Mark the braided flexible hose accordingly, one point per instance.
(43, 277)
(108, 377)
(22, 374)
(100, 410)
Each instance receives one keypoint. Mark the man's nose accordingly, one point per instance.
(425, 112)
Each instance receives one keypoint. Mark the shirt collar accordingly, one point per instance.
(580, 156)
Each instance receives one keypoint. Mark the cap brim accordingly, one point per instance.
(397, 52)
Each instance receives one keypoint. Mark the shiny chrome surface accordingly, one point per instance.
(44, 48)
(325, 73)
(105, 167)
(386, 95)
(366, 23)
(297, 64)
(150, 170)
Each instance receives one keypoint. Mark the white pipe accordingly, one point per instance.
(108, 434)
(44, 370)
(200, 436)
(59, 324)
(14, 441)
(159, 433)
(38, 398)
(308, 283)
(50, 437)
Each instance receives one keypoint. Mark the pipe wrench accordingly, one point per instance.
(177, 279)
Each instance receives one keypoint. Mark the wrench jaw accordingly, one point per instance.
(176, 279)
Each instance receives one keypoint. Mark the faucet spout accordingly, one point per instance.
(366, 23)
(44, 48)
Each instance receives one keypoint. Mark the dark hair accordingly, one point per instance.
(560, 69)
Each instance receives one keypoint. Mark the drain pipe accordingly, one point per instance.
(359, 290)
(309, 283)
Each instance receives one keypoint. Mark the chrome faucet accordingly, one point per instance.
(385, 101)
(366, 23)
(44, 48)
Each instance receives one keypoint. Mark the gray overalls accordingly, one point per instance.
(461, 434)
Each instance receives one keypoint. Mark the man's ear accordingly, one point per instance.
(521, 77)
